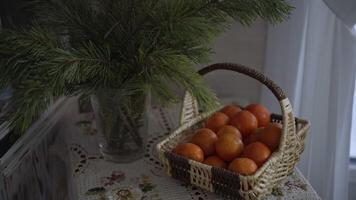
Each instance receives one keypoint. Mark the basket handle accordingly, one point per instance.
(253, 73)
(190, 106)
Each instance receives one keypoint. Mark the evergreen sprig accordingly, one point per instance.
(82, 46)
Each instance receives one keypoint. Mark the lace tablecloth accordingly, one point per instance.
(144, 179)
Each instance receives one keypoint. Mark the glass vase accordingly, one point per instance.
(123, 122)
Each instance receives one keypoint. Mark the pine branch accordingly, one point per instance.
(88, 65)
(30, 99)
(177, 68)
(84, 46)
(21, 51)
(246, 11)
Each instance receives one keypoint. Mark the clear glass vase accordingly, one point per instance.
(123, 122)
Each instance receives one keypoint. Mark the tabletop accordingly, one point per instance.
(98, 179)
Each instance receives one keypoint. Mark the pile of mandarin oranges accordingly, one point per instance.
(237, 139)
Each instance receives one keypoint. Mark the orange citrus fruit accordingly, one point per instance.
(216, 121)
(228, 129)
(255, 135)
(257, 152)
(271, 136)
(243, 166)
(190, 150)
(228, 147)
(230, 110)
(245, 121)
(205, 139)
(215, 161)
(261, 113)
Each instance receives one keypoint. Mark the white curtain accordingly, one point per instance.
(313, 57)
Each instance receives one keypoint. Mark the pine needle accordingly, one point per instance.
(80, 47)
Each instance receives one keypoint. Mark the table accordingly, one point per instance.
(98, 179)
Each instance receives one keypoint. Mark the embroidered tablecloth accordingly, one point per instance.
(144, 179)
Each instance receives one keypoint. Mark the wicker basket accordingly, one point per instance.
(228, 184)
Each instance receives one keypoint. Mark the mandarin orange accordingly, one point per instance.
(216, 121)
(257, 152)
(255, 135)
(245, 121)
(215, 161)
(243, 166)
(205, 139)
(228, 129)
(230, 110)
(271, 136)
(190, 151)
(228, 148)
(261, 113)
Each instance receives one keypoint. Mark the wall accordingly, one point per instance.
(352, 191)
(352, 181)
(243, 45)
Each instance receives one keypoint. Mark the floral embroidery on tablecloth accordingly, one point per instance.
(95, 191)
(115, 177)
(138, 188)
(295, 182)
(127, 193)
(291, 184)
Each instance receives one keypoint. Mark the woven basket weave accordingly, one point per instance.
(228, 184)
